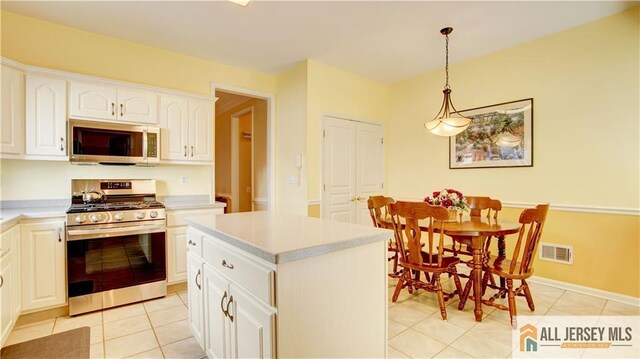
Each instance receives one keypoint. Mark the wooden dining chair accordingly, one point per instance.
(520, 265)
(379, 211)
(478, 204)
(413, 259)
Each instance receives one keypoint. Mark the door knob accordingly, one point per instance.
(354, 198)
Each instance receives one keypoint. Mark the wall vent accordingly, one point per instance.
(556, 253)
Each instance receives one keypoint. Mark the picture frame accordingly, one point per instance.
(499, 136)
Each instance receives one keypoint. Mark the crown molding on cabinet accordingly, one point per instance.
(100, 80)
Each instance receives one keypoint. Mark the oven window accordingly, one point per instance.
(96, 265)
(103, 142)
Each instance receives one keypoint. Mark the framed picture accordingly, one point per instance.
(499, 136)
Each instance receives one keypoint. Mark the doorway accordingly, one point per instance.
(353, 168)
(242, 166)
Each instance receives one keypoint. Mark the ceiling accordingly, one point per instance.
(382, 40)
(226, 101)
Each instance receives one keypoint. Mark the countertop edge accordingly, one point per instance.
(294, 255)
(177, 206)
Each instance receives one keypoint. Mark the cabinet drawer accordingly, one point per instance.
(194, 242)
(177, 218)
(254, 277)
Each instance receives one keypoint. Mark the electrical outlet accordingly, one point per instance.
(184, 179)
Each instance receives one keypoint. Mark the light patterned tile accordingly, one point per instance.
(30, 332)
(406, 315)
(126, 311)
(122, 327)
(184, 349)
(426, 303)
(151, 354)
(615, 308)
(545, 289)
(395, 354)
(42, 322)
(96, 351)
(167, 316)
(131, 344)
(480, 346)
(96, 334)
(439, 329)
(170, 301)
(416, 345)
(85, 320)
(173, 332)
(499, 331)
(449, 352)
(404, 294)
(394, 328)
(184, 297)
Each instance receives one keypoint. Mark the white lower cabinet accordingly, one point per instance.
(236, 323)
(177, 254)
(10, 306)
(43, 265)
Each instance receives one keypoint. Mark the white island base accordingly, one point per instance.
(266, 285)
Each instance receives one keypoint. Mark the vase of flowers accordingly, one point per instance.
(454, 201)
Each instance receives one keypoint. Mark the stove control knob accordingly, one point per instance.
(140, 215)
(119, 216)
(80, 219)
(153, 214)
(95, 218)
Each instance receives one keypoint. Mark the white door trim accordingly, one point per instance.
(271, 132)
(235, 158)
(322, 169)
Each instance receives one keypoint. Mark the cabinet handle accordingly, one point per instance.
(192, 243)
(197, 284)
(1, 281)
(222, 304)
(121, 110)
(62, 144)
(191, 151)
(229, 303)
(113, 109)
(228, 265)
(59, 234)
(185, 151)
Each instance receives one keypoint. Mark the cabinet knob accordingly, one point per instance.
(121, 110)
(62, 144)
(227, 265)
(192, 243)
(1, 281)
(59, 234)
(191, 151)
(185, 151)
(227, 310)
(113, 109)
(196, 279)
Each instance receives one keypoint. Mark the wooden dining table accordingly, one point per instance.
(474, 231)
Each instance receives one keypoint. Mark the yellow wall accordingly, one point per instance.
(585, 86)
(337, 92)
(244, 165)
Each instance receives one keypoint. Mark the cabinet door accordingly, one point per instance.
(12, 130)
(177, 254)
(216, 292)
(137, 106)
(252, 326)
(43, 265)
(46, 112)
(92, 101)
(196, 297)
(201, 130)
(174, 132)
(7, 315)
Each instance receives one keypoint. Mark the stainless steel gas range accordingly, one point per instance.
(115, 244)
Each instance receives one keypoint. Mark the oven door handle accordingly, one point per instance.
(79, 234)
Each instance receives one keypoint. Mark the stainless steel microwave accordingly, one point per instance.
(94, 142)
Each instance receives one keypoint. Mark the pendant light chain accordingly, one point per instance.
(446, 66)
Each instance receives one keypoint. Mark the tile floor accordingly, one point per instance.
(416, 329)
(153, 329)
(158, 328)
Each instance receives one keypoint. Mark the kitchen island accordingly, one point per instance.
(268, 284)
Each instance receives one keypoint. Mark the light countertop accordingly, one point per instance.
(279, 237)
(11, 216)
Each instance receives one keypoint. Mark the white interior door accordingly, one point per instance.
(353, 167)
(339, 156)
(369, 167)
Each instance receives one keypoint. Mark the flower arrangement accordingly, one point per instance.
(450, 199)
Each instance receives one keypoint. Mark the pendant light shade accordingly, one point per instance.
(448, 121)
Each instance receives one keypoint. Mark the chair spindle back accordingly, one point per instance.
(379, 210)
(477, 204)
(532, 221)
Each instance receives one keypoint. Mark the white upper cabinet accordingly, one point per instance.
(201, 130)
(92, 101)
(174, 135)
(12, 120)
(187, 129)
(137, 106)
(46, 116)
(110, 103)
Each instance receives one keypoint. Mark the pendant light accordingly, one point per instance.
(448, 122)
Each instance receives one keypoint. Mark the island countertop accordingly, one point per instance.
(280, 237)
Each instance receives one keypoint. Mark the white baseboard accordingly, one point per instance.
(615, 297)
